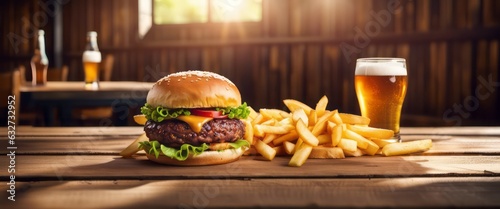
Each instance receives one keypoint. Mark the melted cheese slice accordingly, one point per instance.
(196, 122)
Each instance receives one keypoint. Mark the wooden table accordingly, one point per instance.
(121, 95)
(80, 168)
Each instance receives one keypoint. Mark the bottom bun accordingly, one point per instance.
(205, 158)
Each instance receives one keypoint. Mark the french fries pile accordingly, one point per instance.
(305, 133)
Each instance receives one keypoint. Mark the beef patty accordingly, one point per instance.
(174, 133)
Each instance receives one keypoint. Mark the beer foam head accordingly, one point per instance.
(380, 67)
(91, 56)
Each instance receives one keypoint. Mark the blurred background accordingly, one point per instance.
(279, 49)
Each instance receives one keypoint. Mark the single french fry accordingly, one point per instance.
(300, 114)
(362, 141)
(370, 132)
(290, 136)
(329, 126)
(292, 105)
(300, 156)
(269, 138)
(248, 131)
(258, 132)
(140, 119)
(354, 119)
(405, 148)
(258, 119)
(265, 150)
(289, 147)
(347, 145)
(305, 134)
(298, 144)
(313, 118)
(382, 142)
(321, 106)
(134, 146)
(372, 148)
(336, 135)
(324, 139)
(270, 129)
(286, 114)
(336, 118)
(320, 125)
(272, 113)
(286, 121)
(269, 122)
(253, 114)
(321, 152)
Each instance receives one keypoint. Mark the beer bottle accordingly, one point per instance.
(91, 59)
(39, 61)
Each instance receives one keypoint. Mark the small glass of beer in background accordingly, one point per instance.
(381, 85)
(91, 60)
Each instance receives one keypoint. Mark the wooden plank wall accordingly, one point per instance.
(299, 50)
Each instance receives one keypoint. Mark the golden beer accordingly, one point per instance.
(91, 59)
(381, 85)
(91, 71)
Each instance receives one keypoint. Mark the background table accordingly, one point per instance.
(121, 95)
(80, 168)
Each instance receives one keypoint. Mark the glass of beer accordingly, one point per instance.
(381, 85)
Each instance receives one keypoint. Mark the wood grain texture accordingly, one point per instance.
(113, 167)
(252, 193)
(80, 167)
(95, 141)
(111, 140)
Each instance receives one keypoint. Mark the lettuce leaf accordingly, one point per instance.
(158, 114)
(181, 154)
(239, 143)
(240, 112)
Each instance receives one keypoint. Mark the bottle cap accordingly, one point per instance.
(92, 33)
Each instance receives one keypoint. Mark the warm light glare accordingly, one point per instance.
(145, 20)
(236, 10)
(197, 11)
(180, 12)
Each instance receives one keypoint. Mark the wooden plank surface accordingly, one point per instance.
(81, 168)
(102, 143)
(252, 193)
(111, 140)
(109, 167)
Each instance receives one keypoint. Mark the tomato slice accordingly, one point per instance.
(208, 113)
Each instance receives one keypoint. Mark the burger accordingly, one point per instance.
(194, 118)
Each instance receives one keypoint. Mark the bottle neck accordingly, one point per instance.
(40, 45)
(91, 43)
(40, 50)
